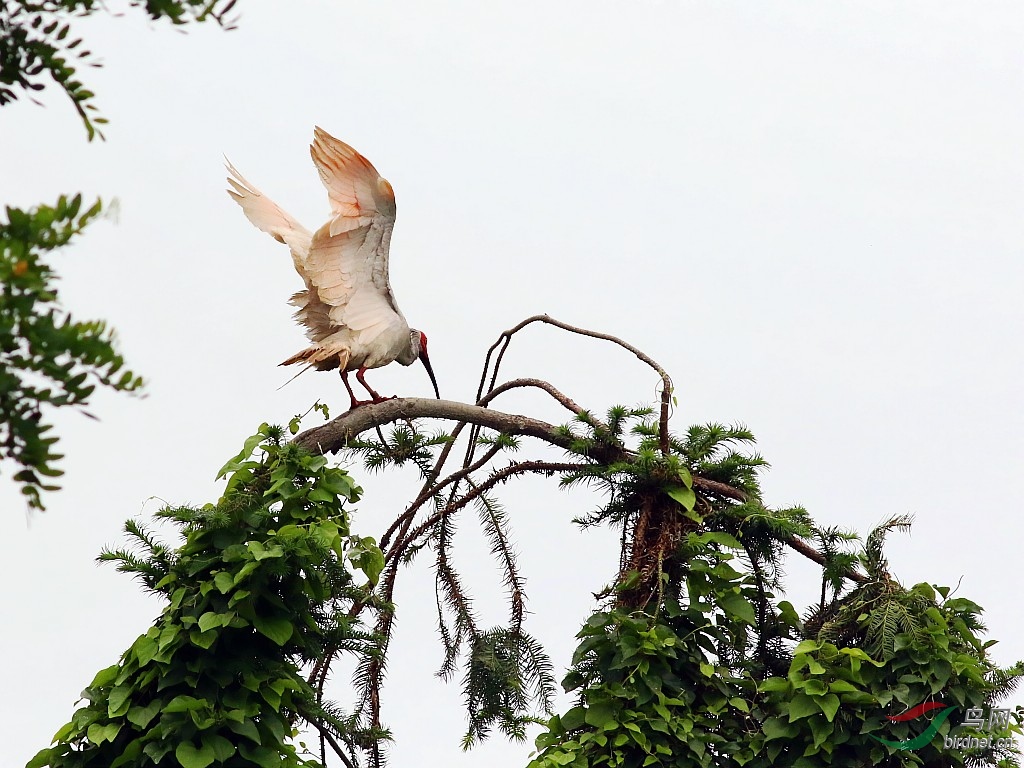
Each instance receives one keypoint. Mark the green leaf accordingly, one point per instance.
(777, 728)
(192, 757)
(685, 496)
(600, 714)
(223, 749)
(738, 606)
(801, 706)
(118, 701)
(105, 676)
(829, 704)
(277, 628)
(185, 703)
(98, 733)
(224, 581)
(203, 640)
(247, 448)
(367, 557)
(574, 718)
(246, 728)
(145, 649)
(740, 704)
(142, 716)
(774, 684)
(720, 537)
(262, 756)
(209, 620)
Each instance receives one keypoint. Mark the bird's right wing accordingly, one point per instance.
(270, 217)
(348, 256)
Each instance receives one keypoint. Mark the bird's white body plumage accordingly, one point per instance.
(348, 309)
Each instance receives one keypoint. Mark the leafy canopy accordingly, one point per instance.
(36, 44)
(47, 359)
(260, 587)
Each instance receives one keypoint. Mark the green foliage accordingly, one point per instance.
(36, 41)
(831, 708)
(650, 691)
(46, 358)
(261, 586)
(695, 664)
(506, 673)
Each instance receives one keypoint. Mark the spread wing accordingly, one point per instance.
(269, 216)
(347, 263)
(276, 222)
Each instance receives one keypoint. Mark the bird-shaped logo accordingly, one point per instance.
(348, 308)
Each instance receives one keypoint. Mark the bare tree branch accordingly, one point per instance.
(564, 400)
(325, 735)
(506, 338)
(542, 467)
(338, 433)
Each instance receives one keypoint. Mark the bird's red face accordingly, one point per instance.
(425, 358)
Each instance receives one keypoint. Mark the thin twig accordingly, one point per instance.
(429, 492)
(564, 400)
(329, 738)
(505, 339)
(500, 476)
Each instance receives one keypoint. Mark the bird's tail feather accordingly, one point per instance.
(319, 356)
(293, 378)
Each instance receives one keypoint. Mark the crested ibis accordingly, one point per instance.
(347, 307)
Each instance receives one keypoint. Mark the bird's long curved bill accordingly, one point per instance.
(430, 373)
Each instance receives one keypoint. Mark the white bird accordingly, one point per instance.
(347, 307)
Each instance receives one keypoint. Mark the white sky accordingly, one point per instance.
(809, 213)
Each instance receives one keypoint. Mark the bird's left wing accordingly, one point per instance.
(348, 256)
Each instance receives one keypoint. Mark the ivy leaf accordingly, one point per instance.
(829, 704)
(685, 496)
(192, 757)
(142, 716)
(119, 700)
(277, 628)
(801, 706)
(367, 557)
(600, 714)
(262, 756)
(737, 606)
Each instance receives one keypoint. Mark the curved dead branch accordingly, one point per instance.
(506, 338)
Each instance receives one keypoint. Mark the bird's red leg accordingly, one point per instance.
(351, 394)
(377, 397)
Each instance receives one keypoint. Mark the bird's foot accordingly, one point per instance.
(377, 399)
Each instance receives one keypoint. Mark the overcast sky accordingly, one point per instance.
(809, 213)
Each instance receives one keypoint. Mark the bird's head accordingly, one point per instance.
(418, 351)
